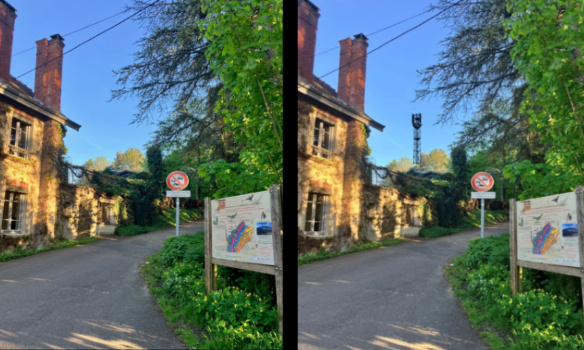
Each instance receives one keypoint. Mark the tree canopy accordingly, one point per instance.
(132, 160)
(436, 160)
(401, 165)
(97, 164)
(214, 70)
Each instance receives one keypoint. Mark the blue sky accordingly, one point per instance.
(87, 71)
(391, 77)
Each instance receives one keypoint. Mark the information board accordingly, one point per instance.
(241, 228)
(547, 230)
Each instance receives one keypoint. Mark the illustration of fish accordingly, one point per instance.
(569, 217)
(232, 216)
(216, 220)
(556, 199)
(263, 215)
(537, 217)
(249, 198)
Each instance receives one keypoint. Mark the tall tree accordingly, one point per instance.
(437, 160)
(132, 160)
(401, 165)
(170, 69)
(476, 64)
(97, 164)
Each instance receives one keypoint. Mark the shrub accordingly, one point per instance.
(536, 318)
(241, 314)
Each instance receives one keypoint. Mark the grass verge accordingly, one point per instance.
(469, 222)
(323, 254)
(164, 220)
(20, 252)
(546, 315)
(241, 314)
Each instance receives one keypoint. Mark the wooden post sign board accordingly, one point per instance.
(244, 232)
(546, 234)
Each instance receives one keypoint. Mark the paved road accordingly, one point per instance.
(389, 298)
(88, 296)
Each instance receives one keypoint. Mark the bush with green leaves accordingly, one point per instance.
(241, 314)
(535, 318)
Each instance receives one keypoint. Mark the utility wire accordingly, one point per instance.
(394, 38)
(382, 29)
(88, 40)
(77, 30)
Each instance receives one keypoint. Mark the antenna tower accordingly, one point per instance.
(417, 123)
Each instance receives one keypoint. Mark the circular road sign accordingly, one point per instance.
(177, 180)
(482, 182)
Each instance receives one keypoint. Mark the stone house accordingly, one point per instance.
(336, 208)
(31, 143)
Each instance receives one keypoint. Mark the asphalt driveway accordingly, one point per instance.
(389, 298)
(85, 297)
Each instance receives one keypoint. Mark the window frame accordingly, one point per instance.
(321, 123)
(15, 150)
(20, 226)
(311, 206)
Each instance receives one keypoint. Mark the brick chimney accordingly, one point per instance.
(7, 17)
(49, 69)
(308, 15)
(352, 71)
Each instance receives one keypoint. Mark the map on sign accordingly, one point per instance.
(242, 228)
(547, 230)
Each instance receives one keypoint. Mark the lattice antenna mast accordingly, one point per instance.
(417, 123)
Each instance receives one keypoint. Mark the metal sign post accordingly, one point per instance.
(177, 181)
(482, 182)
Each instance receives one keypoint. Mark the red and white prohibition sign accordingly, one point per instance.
(177, 180)
(482, 182)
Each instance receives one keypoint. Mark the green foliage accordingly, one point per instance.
(20, 252)
(132, 160)
(165, 219)
(547, 53)
(240, 315)
(538, 180)
(97, 164)
(534, 319)
(323, 254)
(251, 97)
(471, 220)
(437, 160)
(460, 168)
(402, 165)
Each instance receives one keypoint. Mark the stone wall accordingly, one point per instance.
(82, 212)
(23, 175)
(316, 174)
(389, 214)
